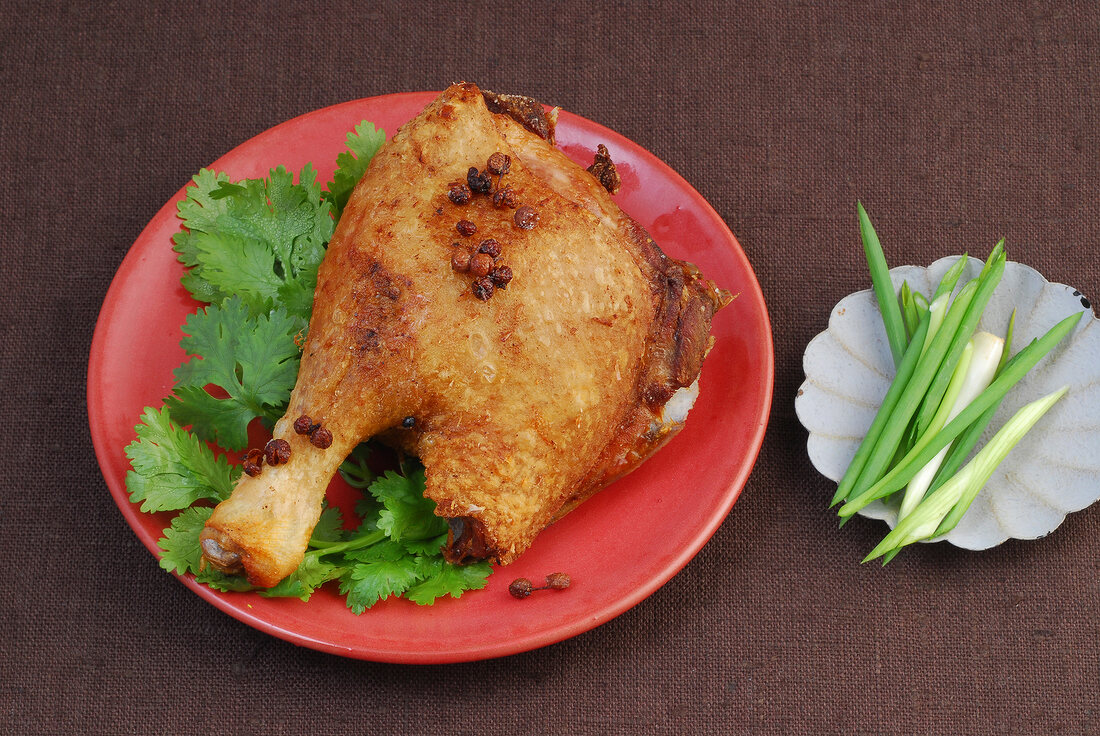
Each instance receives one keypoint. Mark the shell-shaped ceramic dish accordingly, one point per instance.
(1054, 470)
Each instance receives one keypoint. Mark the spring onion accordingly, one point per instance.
(921, 304)
(948, 386)
(933, 513)
(950, 278)
(863, 452)
(886, 444)
(908, 309)
(988, 280)
(914, 492)
(973, 374)
(965, 443)
(936, 312)
(1014, 370)
(884, 289)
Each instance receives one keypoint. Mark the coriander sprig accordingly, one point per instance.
(251, 249)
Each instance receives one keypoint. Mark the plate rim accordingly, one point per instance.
(226, 602)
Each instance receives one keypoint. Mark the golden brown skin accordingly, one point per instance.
(524, 404)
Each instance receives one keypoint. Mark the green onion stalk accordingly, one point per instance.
(941, 510)
(919, 456)
(893, 428)
(973, 374)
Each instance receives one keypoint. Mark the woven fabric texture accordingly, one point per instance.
(955, 124)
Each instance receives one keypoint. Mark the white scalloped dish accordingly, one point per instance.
(1054, 470)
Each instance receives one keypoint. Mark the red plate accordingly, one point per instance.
(619, 547)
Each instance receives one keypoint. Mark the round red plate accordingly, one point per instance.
(619, 547)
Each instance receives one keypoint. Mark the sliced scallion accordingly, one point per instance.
(1014, 370)
(883, 286)
(921, 304)
(935, 514)
(897, 386)
(886, 444)
(950, 277)
(988, 280)
(972, 375)
(965, 443)
(908, 310)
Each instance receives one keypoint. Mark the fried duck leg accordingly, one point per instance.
(527, 396)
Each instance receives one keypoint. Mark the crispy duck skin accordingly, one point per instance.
(524, 403)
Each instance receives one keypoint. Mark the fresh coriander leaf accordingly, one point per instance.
(252, 249)
(330, 527)
(171, 468)
(220, 581)
(217, 420)
(237, 348)
(367, 509)
(362, 143)
(296, 297)
(407, 513)
(226, 189)
(387, 550)
(180, 543)
(406, 522)
(254, 359)
(366, 583)
(199, 212)
(260, 239)
(443, 578)
(301, 235)
(427, 547)
(310, 575)
(235, 261)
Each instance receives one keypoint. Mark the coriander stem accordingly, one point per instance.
(363, 540)
(355, 476)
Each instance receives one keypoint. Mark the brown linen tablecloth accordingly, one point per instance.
(955, 125)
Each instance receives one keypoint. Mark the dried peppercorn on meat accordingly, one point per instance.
(529, 387)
